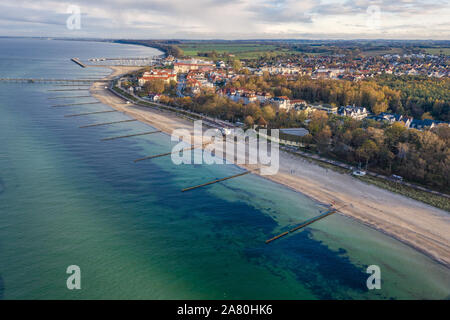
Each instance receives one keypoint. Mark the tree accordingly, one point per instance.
(237, 65)
(367, 151)
(380, 107)
(249, 121)
(268, 113)
(262, 122)
(318, 121)
(155, 86)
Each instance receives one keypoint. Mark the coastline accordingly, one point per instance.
(423, 227)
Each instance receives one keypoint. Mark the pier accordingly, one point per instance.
(78, 62)
(40, 80)
(131, 135)
(107, 123)
(215, 181)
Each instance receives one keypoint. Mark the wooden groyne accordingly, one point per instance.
(78, 89)
(78, 62)
(215, 181)
(73, 85)
(107, 123)
(74, 104)
(64, 97)
(277, 237)
(88, 113)
(308, 222)
(169, 153)
(158, 156)
(131, 135)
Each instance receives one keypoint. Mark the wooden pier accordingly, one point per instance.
(107, 123)
(88, 113)
(74, 104)
(215, 181)
(131, 135)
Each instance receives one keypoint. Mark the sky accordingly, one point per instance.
(227, 19)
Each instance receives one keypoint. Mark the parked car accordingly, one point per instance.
(359, 173)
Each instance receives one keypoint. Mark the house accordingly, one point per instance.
(391, 118)
(426, 124)
(282, 103)
(239, 95)
(353, 112)
(325, 107)
(166, 75)
(298, 103)
(184, 66)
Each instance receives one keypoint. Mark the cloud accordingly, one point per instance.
(227, 18)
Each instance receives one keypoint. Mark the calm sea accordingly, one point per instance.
(67, 198)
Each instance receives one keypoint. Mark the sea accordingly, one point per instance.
(69, 199)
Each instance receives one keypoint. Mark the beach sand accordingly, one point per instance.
(419, 225)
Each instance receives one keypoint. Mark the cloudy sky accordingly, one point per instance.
(228, 19)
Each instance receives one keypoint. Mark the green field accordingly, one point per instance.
(438, 51)
(239, 50)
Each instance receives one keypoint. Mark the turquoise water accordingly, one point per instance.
(68, 198)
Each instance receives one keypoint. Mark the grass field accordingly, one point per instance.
(438, 51)
(239, 50)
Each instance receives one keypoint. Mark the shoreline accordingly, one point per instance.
(418, 225)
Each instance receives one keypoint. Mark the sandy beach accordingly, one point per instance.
(423, 227)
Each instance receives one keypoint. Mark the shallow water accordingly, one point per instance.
(68, 198)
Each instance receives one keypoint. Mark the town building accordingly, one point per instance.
(183, 66)
(325, 107)
(282, 103)
(357, 113)
(166, 75)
